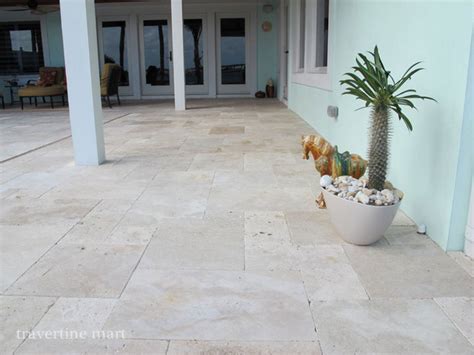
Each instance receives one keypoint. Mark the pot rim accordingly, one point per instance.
(325, 192)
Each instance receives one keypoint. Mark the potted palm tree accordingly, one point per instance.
(362, 210)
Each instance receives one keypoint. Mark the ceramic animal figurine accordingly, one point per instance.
(328, 161)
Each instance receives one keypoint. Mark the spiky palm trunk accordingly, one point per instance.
(379, 146)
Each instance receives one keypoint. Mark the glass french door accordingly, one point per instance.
(156, 60)
(233, 53)
(113, 35)
(195, 54)
(157, 55)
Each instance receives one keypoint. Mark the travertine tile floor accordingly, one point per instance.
(200, 235)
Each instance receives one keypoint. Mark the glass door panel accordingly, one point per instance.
(232, 51)
(157, 70)
(232, 54)
(193, 52)
(157, 63)
(113, 46)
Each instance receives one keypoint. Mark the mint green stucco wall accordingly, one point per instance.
(423, 162)
(267, 46)
(55, 39)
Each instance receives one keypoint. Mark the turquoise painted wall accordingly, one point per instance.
(423, 162)
(464, 177)
(267, 46)
(55, 39)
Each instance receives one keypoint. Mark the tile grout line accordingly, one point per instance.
(358, 276)
(52, 143)
(146, 247)
(451, 320)
(36, 324)
(50, 248)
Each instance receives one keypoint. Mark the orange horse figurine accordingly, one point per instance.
(328, 161)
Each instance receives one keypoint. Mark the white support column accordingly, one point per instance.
(78, 24)
(178, 55)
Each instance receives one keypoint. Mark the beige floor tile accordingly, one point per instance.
(267, 242)
(94, 347)
(22, 245)
(99, 223)
(328, 275)
(463, 260)
(461, 312)
(265, 197)
(218, 161)
(390, 326)
(45, 211)
(80, 271)
(405, 235)
(312, 228)
(413, 271)
(227, 130)
(214, 305)
(213, 243)
(20, 314)
(86, 315)
(239, 348)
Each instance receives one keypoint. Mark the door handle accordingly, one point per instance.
(171, 56)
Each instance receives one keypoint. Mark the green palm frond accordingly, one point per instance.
(372, 83)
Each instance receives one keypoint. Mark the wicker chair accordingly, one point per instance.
(110, 81)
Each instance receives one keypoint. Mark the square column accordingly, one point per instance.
(178, 54)
(81, 57)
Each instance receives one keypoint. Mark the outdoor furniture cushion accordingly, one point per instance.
(110, 79)
(47, 77)
(31, 91)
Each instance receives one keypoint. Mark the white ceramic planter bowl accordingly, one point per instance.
(357, 223)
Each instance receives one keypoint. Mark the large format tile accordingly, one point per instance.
(413, 271)
(45, 211)
(387, 326)
(461, 311)
(267, 242)
(328, 275)
(22, 245)
(93, 347)
(191, 243)
(99, 223)
(312, 228)
(213, 305)
(261, 198)
(86, 315)
(80, 271)
(18, 316)
(248, 348)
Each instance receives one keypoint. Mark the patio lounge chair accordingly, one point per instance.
(52, 83)
(109, 82)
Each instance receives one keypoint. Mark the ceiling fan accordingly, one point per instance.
(35, 8)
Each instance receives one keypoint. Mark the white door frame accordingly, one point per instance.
(158, 90)
(123, 90)
(283, 49)
(250, 60)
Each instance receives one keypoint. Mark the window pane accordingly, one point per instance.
(233, 51)
(302, 33)
(322, 23)
(193, 52)
(155, 36)
(115, 47)
(21, 49)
